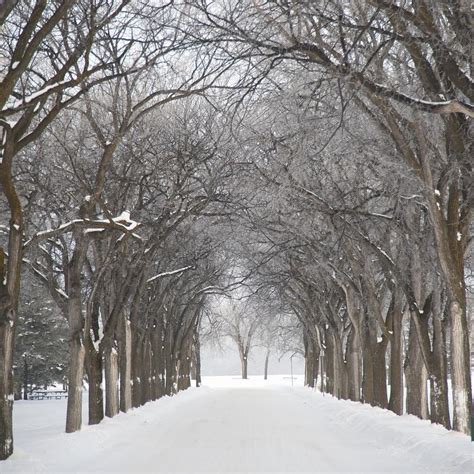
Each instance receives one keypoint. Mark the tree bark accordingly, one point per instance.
(137, 358)
(146, 370)
(244, 364)
(265, 371)
(395, 403)
(197, 352)
(9, 293)
(111, 382)
(368, 353)
(416, 377)
(125, 362)
(25, 379)
(380, 374)
(93, 360)
(353, 365)
(76, 347)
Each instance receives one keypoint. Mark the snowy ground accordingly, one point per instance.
(232, 425)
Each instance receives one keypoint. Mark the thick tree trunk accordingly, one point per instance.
(93, 359)
(111, 382)
(125, 361)
(76, 375)
(439, 408)
(353, 365)
(416, 377)
(155, 363)
(329, 364)
(354, 360)
(76, 328)
(340, 388)
(9, 294)
(322, 371)
(6, 391)
(311, 361)
(368, 353)
(169, 363)
(137, 361)
(197, 352)
(460, 368)
(243, 364)
(395, 403)
(308, 361)
(146, 371)
(184, 380)
(76, 358)
(380, 374)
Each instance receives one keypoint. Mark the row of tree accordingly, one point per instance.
(109, 187)
(363, 133)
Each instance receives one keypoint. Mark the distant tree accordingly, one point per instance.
(240, 322)
(40, 357)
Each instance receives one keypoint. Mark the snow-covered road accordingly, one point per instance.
(244, 428)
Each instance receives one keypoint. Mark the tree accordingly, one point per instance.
(240, 322)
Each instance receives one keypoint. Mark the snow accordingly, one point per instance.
(125, 216)
(62, 293)
(26, 100)
(232, 425)
(173, 272)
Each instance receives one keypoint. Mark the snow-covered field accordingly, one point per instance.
(231, 425)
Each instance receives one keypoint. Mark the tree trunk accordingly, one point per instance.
(243, 364)
(308, 360)
(93, 359)
(197, 352)
(6, 390)
(9, 294)
(460, 368)
(354, 360)
(25, 379)
(416, 377)
(395, 403)
(137, 359)
(380, 374)
(340, 389)
(76, 363)
(368, 353)
(76, 374)
(155, 363)
(353, 365)
(439, 408)
(265, 372)
(329, 363)
(146, 371)
(125, 361)
(111, 382)
(76, 327)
